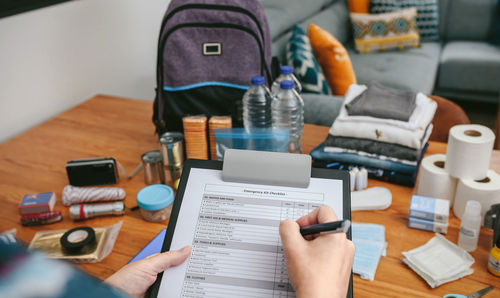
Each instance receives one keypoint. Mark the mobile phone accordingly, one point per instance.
(92, 171)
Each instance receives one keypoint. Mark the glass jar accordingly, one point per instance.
(155, 202)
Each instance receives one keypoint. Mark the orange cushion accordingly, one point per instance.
(359, 6)
(333, 58)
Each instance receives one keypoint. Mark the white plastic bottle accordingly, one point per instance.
(288, 112)
(257, 105)
(470, 226)
(286, 73)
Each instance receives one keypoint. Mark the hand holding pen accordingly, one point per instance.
(320, 267)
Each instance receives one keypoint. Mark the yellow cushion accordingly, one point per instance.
(359, 6)
(379, 32)
(333, 58)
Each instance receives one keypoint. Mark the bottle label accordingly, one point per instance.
(467, 232)
(494, 264)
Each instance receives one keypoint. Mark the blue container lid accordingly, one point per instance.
(258, 80)
(254, 133)
(286, 69)
(155, 197)
(286, 84)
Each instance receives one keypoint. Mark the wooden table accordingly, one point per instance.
(108, 126)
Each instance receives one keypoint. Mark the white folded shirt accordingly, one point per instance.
(410, 134)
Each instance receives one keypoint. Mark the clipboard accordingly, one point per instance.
(256, 168)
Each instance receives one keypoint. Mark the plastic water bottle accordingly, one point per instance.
(286, 73)
(288, 112)
(470, 226)
(257, 105)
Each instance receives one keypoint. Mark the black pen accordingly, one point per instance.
(341, 226)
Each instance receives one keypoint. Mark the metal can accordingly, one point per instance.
(172, 150)
(153, 167)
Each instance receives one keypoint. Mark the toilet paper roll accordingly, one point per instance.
(434, 181)
(485, 191)
(469, 151)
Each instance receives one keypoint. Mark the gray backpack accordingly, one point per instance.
(208, 50)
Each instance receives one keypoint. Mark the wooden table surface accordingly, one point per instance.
(106, 126)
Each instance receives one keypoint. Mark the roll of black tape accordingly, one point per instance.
(76, 239)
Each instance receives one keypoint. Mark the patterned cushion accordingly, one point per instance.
(300, 56)
(385, 31)
(427, 14)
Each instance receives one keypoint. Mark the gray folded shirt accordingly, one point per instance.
(383, 102)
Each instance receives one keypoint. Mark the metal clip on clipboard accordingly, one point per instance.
(268, 168)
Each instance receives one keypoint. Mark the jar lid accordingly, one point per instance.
(152, 156)
(155, 197)
(171, 137)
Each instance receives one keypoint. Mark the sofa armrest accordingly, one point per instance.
(321, 109)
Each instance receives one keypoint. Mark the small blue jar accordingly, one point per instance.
(155, 202)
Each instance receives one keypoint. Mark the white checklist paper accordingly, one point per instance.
(233, 229)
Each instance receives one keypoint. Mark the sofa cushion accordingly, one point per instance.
(334, 19)
(282, 15)
(469, 19)
(471, 66)
(305, 66)
(333, 58)
(412, 69)
(359, 6)
(443, 17)
(279, 46)
(321, 109)
(427, 17)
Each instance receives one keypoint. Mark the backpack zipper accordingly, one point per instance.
(213, 7)
(204, 6)
(263, 66)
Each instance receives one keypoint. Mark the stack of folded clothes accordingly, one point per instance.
(381, 129)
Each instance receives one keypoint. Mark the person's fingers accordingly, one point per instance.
(309, 219)
(290, 234)
(321, 214)
(326, 214)
(167, 259)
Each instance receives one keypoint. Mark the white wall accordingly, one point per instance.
(54, 58)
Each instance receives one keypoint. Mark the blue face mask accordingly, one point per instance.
(369, 240)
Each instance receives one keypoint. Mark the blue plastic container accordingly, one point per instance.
(260, 139)
(155, 202)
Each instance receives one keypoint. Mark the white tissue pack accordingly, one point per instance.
(431, 209)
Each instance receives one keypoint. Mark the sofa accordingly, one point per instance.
(463, 65)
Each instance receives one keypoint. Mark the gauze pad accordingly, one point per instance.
(439, 261)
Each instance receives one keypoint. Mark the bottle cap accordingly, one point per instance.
(472, 208)
(287, 84)
(286, 69)
(258, 80)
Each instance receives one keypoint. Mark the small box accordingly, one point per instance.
(37, 203)
(427, 225)
(431, 209)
